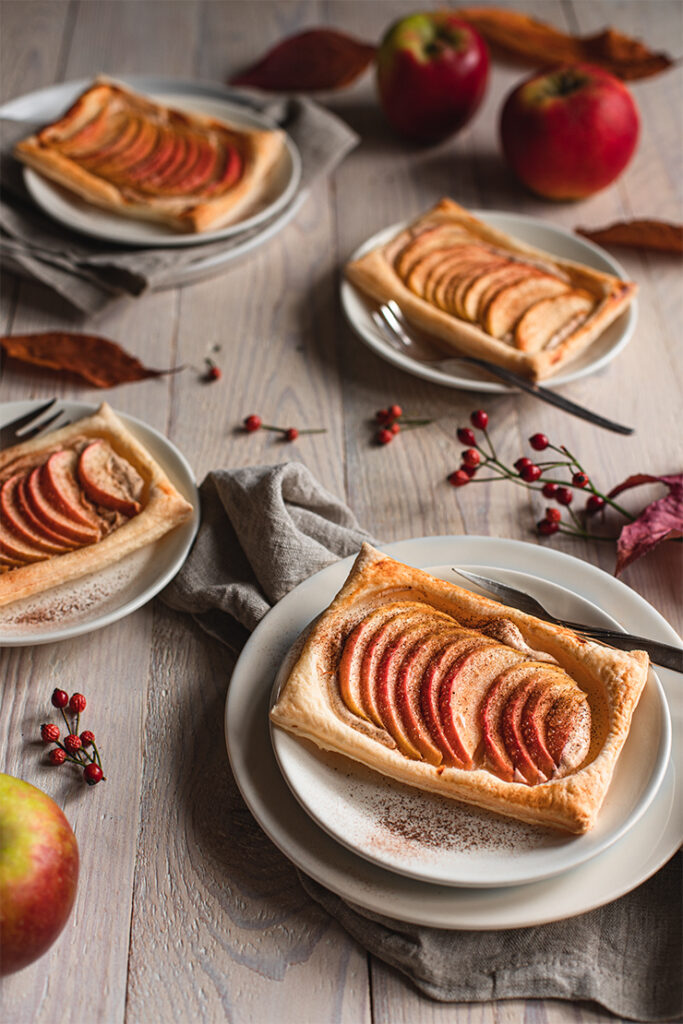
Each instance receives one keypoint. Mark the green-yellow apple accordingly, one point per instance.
(38, 872)
(432, 70)
(569, 131)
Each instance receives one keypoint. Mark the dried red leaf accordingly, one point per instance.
(639, 234)
(100, 362)
(320, 58)
(660, 520)
(518, 35)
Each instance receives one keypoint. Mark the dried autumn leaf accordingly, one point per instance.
(318, 59)
(519, 35)
(660, 520)
(100, 362)
(639, 234)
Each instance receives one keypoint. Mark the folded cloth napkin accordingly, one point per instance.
(266, 528)
(91, 273)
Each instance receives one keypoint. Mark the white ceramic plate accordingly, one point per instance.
(102, 598)
(87, 218)
(602, 878)
(438, 840)
(533, 231)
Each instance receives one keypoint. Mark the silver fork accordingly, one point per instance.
(31, 424)
(663, 654)
(391, 322)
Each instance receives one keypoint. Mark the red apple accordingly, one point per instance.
(38, 873)
(432, 70)
(569, 131)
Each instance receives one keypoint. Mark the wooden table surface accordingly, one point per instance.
(185, 911)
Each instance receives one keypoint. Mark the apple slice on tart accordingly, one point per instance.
(455, 694)
(472, 286)
(125, 153)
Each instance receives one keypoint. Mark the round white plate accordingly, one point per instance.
(438, 840)
(533, 231)
(602, 878)
(89, 219)
(97, 600)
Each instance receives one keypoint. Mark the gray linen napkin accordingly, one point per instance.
(266, 528)
(90, 273)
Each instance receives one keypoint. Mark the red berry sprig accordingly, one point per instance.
(546, 476)
(253, 423)
(75, 748)
(389, 423)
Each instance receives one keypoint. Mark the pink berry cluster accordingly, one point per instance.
(79, 749)
(389, 425)
(558, 478)
(253, 423)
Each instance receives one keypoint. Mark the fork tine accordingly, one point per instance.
(40, 428)
(29, 417)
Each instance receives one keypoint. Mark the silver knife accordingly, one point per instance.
(661, 653)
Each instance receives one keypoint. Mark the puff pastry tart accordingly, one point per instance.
(450, 692)
(485, 294)
(125, 153)
(77, 500)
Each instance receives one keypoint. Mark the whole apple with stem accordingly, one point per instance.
(38, 872)
(569, 131)
(432, 70)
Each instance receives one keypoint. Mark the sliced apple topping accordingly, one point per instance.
(109, 480)
(510, 303)
(20, 524)
(49, 506)
(545, 319)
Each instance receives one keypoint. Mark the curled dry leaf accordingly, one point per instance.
(318, 59)
(520, 36)
(639, 234)
(660, 520)
(100, 362)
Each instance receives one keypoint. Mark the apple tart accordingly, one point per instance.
(453, 693)
(77, 500)
(485, 294)
(125, 153)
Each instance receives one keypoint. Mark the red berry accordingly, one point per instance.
(546, 526)
(252, 423)
(57, 756)
(214, 373)
(594, 504)
(77, 703)
(579, 479)
(395, 412)
(49, 733)
(479, 419)
(87, 738)
(291, 434)
(395, 428)
(538, 442)
(549, 490)
(384, 436)
(382, 415)
(459, 478)
(60, 698)
(73, 743)
(530, 473)
(466, 436)
(521, 463)
(470, 470)
(92, 773)
(564, 495)
(471, 457)
(553, 514)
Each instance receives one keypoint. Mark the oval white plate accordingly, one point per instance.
(627, 863)
(79, 215)
(95, 601)
(533, 231)
(438, 840)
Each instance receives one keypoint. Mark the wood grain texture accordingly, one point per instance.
(190, 910)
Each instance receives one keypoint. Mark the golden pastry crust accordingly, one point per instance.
(598, 298)
(162, 506)
(150, 187)
(611, 681)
